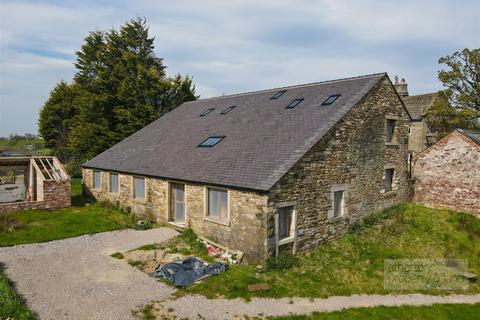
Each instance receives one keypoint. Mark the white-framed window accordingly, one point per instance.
(286, 223)
(97, 179)
(389, 174)
(338, 198)
(113, 182)
(138, 188)
(217, 204)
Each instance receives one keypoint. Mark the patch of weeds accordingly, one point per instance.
(283, 261)
(9, 223)
(136, 263)
(118, 255)
(149, 247)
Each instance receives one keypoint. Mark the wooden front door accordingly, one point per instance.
(177, 203)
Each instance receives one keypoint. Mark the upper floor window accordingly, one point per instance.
(227, 110)
(390, 130)
(97, 180)
(210, 142)
(294, 103)
(113, 182)
(204, 113)
(278, 94)
(138, 188)
(331, 99)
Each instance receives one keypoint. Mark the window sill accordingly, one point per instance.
(391, 144)
(286, 240)
(112, 193)
(390, 193)
(139, 201)
(339, 218)
(217, 221)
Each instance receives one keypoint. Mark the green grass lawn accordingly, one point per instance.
(434, 312)
(30, 226)
(355, 263)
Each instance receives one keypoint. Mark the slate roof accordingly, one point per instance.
(418, 105)
(474, 135)
(263, 140)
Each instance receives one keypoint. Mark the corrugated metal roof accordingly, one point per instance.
(263, 140)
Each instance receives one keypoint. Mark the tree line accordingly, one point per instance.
(119, 87)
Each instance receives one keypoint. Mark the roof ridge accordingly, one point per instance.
(423, 94)
(290, 87)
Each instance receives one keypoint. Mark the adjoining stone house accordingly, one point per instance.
(33, 182)
(420, 136)
(279, 169)
(447, 175)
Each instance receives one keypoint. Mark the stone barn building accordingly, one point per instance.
(266, 171)
(447, 175)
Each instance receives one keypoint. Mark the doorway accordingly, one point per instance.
(177, 203)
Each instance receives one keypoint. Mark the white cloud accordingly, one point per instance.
(231, 46)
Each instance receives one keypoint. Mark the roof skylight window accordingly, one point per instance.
(211, 141)
(294, 103)
(204, 113)
(331, 99)
(278, 94)
(227, 110)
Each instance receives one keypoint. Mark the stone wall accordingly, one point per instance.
(56, 196)
(245, 231)
(354, 155)
(447, 175)
(417, 136)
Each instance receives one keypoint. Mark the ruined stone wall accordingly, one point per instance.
(245, 230)
(354, 155)
(56, 196)
(447, 175)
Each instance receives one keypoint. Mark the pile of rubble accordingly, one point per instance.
(221, 253)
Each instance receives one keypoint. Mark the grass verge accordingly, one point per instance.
(354, 264)
(32, 226)
(434, 312)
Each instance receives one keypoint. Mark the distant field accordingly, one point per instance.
(24, 146)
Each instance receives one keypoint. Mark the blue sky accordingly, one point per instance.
(234, 46)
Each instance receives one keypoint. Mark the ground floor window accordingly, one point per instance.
(113, 182)
(97, 181)
(285, 223)
(338, 203)
(217, 204)
(138, 188)
(389, 173)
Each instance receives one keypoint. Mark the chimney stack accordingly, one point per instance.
(401, 87)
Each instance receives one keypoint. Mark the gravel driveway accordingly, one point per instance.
(77, 279)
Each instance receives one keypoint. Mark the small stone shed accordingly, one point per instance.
(447, 175)
(33, 182)
(267, 171)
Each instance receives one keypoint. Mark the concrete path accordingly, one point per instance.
(199, 307)
(77, 279)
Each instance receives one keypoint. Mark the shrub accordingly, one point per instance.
(283, 261)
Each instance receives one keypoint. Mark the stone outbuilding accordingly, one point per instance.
(33, 182)
(266, 171)
(421, 136)
(447, 175)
